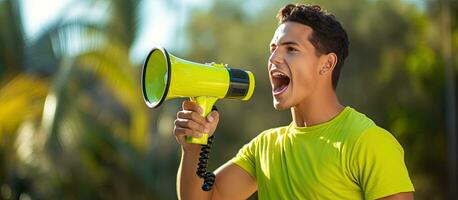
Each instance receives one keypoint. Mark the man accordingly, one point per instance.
(327, 152)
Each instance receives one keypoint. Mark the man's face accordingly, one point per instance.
(293, 65)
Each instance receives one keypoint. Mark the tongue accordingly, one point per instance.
(280, 88)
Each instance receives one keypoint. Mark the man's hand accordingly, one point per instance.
(190, 122)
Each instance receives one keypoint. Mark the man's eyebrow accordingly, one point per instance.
(286, 43)
(290, 43)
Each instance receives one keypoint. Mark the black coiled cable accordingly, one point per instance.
(209, 177)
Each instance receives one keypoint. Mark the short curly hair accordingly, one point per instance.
(328, 34)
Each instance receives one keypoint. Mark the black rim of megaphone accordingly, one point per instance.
(166, 90)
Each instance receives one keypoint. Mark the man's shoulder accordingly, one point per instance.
(358, 127)
(378, 138)
(354, 124)
(358, 119)
(367, 132)
(363, 125)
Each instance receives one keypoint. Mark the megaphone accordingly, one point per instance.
(165, 77)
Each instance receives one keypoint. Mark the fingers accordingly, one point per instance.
(186, 114)
(192, 106)
(189, 124)
(181, 132)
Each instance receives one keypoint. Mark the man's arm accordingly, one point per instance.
(399, 196)
(232, 182)
(188, 183)
(379, 166)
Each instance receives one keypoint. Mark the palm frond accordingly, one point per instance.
(20, 99)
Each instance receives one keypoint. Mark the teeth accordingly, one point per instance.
(277, 74)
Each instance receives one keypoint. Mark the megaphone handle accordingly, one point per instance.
(206, 103)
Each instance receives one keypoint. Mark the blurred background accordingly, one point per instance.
(73, 124)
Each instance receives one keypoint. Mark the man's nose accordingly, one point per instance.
(276, 57)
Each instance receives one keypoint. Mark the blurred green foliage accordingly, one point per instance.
(73, 124)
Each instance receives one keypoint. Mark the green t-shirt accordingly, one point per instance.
(348, 157)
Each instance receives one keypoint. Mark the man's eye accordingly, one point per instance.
(291, 49)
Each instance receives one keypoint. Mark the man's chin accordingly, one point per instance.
(280, 106)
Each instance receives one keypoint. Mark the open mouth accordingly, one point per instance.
(280, 82)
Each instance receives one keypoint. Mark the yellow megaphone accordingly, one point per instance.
(165, 77)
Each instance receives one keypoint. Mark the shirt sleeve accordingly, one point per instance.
(378, 164)
(246, 157)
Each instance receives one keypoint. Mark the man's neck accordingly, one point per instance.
(317, 109)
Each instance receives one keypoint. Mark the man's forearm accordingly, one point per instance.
(189, 185)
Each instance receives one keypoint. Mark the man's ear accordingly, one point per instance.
(329, 62)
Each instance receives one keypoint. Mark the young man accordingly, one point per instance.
(327, 152)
